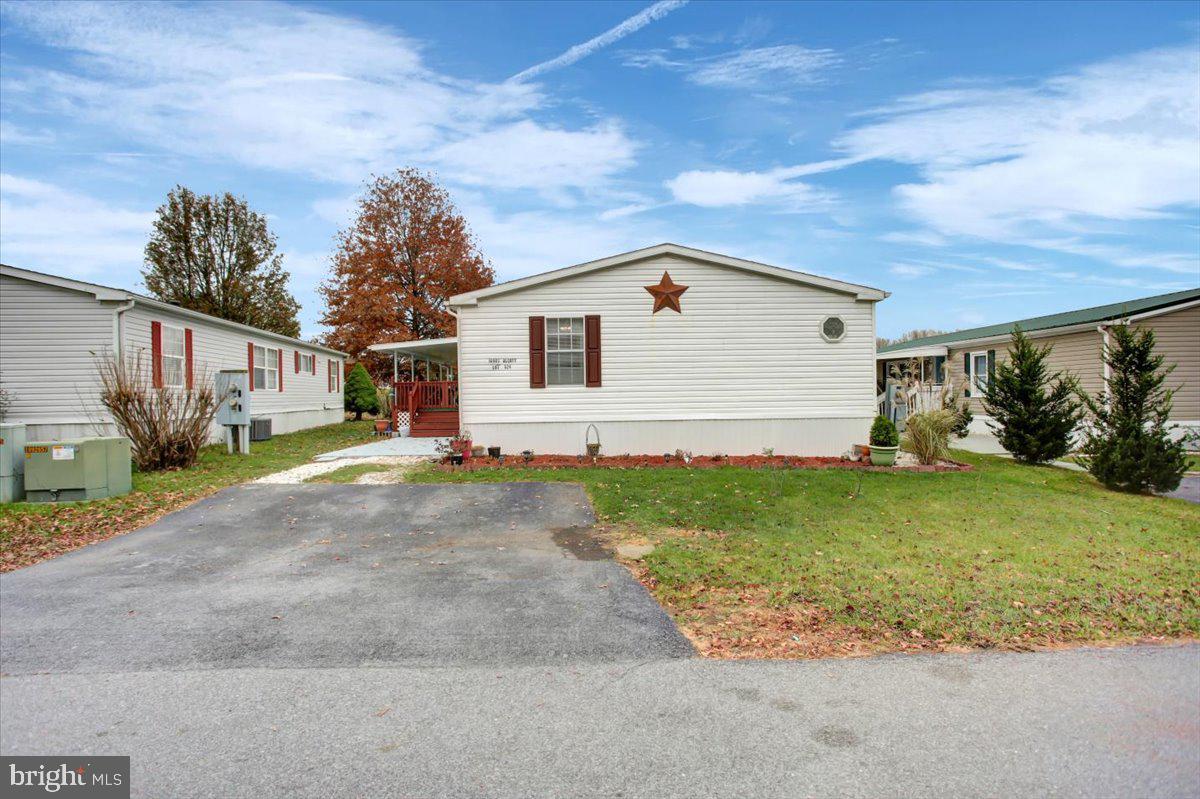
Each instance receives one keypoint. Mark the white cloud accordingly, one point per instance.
(909, 271)
(766, 68)
(1114, 142)
(283, 88)
(620, 31)
(526, 155)
(47, 228)
(716, 188)
(782, 66)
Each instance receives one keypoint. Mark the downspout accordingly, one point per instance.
(119, 329)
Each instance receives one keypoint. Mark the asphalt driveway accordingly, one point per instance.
(330, 575)
(461, 641)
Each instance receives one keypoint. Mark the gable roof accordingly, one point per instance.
(1100, 313)
(860, 292)
(107, 293)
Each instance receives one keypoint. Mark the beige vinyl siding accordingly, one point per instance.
(1077, 354)
(747, 346)
(47, 339)
(1177, 336)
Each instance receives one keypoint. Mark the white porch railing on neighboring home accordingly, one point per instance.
(897, 402)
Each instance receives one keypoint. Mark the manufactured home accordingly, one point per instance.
(1077, 340)
(52, 330)
(651, 351)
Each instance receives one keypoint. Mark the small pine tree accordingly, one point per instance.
(884, 433)
(1034, 412)
(360, 392)
(1128, 445)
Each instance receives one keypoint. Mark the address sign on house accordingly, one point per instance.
(501, 364)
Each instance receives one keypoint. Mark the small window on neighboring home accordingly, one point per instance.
(564, 351)
(174, 356)
(833, 328)
(306, 363)
(266, 368)
(979, 372)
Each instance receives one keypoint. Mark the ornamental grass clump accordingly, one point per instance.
(927, 435)
(166, 427)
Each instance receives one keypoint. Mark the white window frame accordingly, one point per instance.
(270, 368)
(181, 357)
(845, 327)
(309, 367)
(978, 385)
(546, 351)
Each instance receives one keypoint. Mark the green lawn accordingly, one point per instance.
(30, 532)
(801, 563)
(348, 474)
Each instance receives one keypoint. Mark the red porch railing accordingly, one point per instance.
(416, 396)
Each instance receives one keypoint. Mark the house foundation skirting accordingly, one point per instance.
(816, 437)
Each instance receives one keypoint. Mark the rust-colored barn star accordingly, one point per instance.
(666, 294)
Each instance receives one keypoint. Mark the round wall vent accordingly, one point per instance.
(833, 328)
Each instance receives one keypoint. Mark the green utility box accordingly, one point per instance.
(12, 462)
(84, 468)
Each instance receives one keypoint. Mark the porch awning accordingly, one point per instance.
(438, 350)
(916, 352)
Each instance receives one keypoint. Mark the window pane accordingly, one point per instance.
(272, 378)
(260, 378)
(172, 341)
(260, 358)
(564, 369)
(172, 371)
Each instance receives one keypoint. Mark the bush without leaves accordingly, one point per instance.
(927, 435)
(1128, 445)
(165, 426)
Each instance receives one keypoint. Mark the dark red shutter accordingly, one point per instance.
(250, 361)
(156, 354)
(314, 363)
(967, 373)
(187, 357)
(591, 351)
(280, 369)
(537, 352)
(297, 354)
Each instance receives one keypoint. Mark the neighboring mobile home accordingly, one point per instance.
(1077, 338)
(658, 349)
(52, 329)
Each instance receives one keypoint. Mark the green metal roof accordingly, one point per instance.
(1116, 310)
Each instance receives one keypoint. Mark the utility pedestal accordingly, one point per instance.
(233, 394)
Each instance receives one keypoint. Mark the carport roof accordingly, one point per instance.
(438, 350)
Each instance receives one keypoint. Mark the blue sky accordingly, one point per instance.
(981, 161)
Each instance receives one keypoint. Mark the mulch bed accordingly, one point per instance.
(700, 462)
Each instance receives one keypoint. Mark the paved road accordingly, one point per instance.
(1083, 723)
(457, 641)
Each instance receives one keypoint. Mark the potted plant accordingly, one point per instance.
(381, 426)
(460, 445)
(493, 452)
(885, 442)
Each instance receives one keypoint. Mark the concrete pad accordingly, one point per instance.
(388, 447)
(339, 575)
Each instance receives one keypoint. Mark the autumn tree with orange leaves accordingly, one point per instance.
(408, 251)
